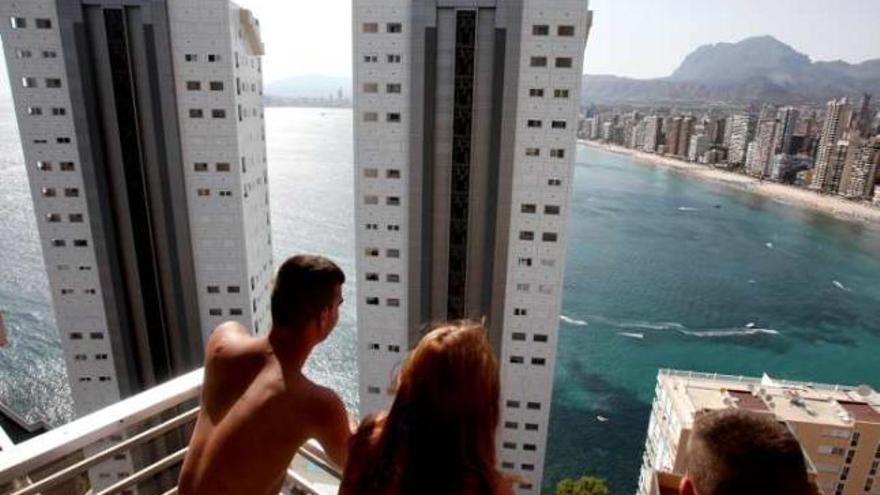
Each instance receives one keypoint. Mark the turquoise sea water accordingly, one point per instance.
(650, 255)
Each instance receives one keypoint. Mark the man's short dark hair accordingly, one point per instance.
(734, 451)
(304, 286)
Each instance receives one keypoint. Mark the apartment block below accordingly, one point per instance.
(838, 427)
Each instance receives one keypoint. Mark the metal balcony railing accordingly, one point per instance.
(152, 428)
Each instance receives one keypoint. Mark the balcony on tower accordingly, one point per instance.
(152, 429)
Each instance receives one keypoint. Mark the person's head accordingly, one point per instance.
(307, 295)
(733, 451)
(442, 424)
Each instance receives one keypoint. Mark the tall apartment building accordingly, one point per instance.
(761, 150)
(672, 129)
(838, 427)
(684, 135)
(786, 125)
(466, 114)
(142, 132)
(741, 128)
(860, 169)
(653, 130)
(829, 166)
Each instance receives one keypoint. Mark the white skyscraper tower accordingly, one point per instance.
(142, 129)
(465, 122)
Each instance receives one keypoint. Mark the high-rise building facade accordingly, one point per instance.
(684, 135)
(761, 151)
(860, 169)
(741, 129)
(653, 130)
(829, 165)
(786, 125)
(142, 133)
(465, 122)
(837, 426)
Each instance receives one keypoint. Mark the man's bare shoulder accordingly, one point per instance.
(231, 341)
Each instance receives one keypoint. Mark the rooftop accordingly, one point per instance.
(804, 402)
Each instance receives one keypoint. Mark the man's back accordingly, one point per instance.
(257, 410)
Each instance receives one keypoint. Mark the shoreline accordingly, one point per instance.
(786, 194)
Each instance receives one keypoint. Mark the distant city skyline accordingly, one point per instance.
(635, 38)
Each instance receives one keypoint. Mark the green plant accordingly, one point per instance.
(586, 485)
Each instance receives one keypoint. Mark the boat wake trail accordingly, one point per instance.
(572, 321)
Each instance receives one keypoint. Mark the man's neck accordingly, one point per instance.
(291, 348)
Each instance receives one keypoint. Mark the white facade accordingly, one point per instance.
(226, 206)
(541, 143)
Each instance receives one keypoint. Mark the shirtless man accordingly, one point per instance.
(257, 407)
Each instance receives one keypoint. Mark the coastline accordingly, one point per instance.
(786, 194)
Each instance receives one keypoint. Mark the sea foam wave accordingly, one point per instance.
(573, 321)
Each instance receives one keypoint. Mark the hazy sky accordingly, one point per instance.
(636, 38)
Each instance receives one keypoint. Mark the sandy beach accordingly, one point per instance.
(839, 207)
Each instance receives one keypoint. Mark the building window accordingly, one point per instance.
(193, 85)
(393, 58)
(372, 252)
(529, 447)
(235, 312)
(373, 347)
(372, 277)
(565, 30)
(43, 23)
(509, 445)
(512, 404)
(371, 173)
(213, 289)
(34, 111)
(191, 57)
(539, 62)
(393, 88)
(554, 182)
(59, 111)
(531, 427)
(534, 124)
(371, 117)
(374, 390)
(75, 218)
(393, 253)
(233, 289)
(48, 192)
(53, 82)
(96, 336)
(535, 406)
(215, 312)
(80, 243)
(371, 87)
(560, 93)
(370, 27)
(218, 113)
(71, 192)
(539, 361)
(59, 243)
(540, 30)
(67, 166)
(394, 348)
(204, 192)
(29, 82)
(200, 167)
(392, 278)
(536, 93)
(551, 210)
(212, 57)
(196, 113)
(224, 167)
(394, 27)
(563, 62)
(50, 54)
(393, 302)
(529, 208)
(527, 467)
(524, 262)
(53, 218)
(518, 336)
(550, 237)
(540, 337)
(558, 124)
(371, 59)
(557, 153)
(18, 22)
(392, 173)
(520, 312)
(371, 200)
(23, 54)
(533, 151)
(44, 167)
(372, 301)
(63, 140)
(526, 235)
(216, 85)
(393, 117)
(392, 201)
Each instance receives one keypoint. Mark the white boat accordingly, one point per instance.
(4, 340)
(602, 419)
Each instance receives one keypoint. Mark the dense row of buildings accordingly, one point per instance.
(834, 151)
